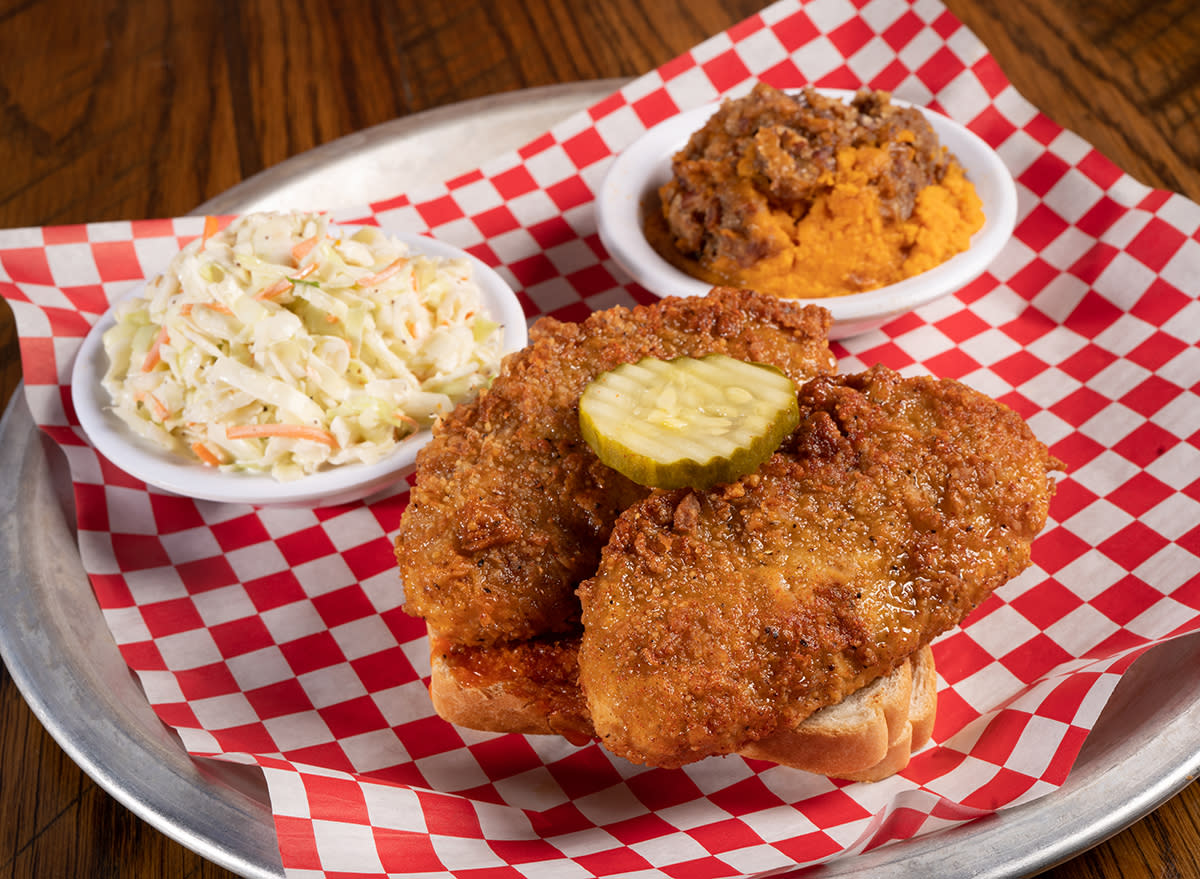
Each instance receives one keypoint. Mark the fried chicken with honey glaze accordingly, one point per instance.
(511, 507)
(717, 618)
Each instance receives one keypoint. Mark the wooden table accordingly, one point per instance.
(117, 109)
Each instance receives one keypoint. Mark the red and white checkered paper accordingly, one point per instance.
(275, 637)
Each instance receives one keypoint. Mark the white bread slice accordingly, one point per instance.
(528, 688)
(533, 689)
(870, 734)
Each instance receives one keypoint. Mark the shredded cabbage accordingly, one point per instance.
(278, 345)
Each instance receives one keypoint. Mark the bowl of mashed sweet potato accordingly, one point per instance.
(868, 205)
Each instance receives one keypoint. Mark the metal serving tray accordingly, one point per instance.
(1144, 749)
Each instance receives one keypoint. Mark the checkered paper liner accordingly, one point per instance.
(276, 637)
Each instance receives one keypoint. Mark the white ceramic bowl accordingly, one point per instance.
(645, 165)
(343, 484)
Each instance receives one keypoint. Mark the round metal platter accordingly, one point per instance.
(1143, 750)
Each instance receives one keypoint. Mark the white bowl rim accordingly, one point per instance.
(342, 484)
(646, 163)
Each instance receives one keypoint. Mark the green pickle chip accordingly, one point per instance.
(688, 422)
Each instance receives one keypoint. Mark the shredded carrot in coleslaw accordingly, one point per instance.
(212, 225)
(290, 431)
(314, 347)
(206, 457)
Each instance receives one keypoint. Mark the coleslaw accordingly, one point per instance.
(283, 344)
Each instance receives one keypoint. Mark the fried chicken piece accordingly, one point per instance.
(511, 506)
(718, 618)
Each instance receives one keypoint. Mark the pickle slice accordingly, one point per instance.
(688, 422)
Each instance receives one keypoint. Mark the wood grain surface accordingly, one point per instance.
(118, 109)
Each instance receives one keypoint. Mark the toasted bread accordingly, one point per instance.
(532, 688)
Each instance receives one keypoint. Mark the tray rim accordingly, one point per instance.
(1048, 835)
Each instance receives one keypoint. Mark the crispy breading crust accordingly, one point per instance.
(533, 688)
(785, 616)
(511, 506)
(716, 618)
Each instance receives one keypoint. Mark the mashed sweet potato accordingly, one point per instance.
(805, 196)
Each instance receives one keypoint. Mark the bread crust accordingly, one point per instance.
(530, 687)
(868, 736)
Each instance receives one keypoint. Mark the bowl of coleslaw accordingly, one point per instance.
(283, 359)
